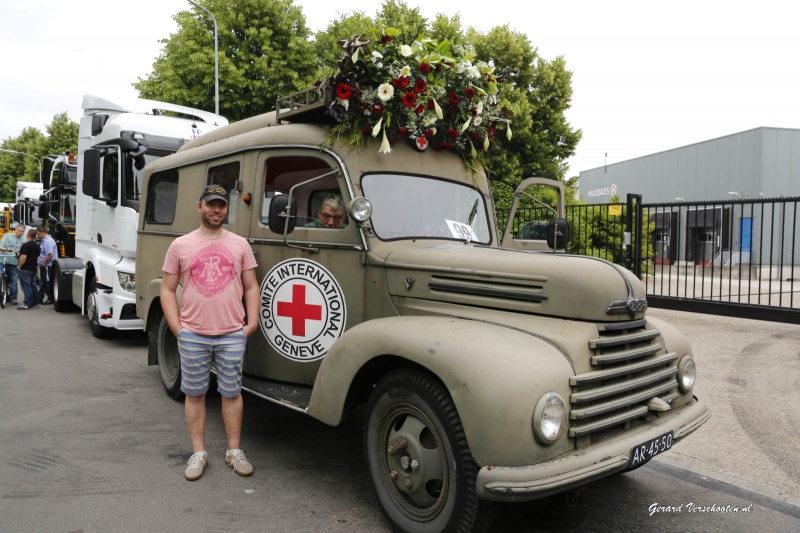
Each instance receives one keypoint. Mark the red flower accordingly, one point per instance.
(469, 93)
(475, 137)
(474, 111)
(403, 82)
(420, 109)
(453, 98)
(431, 104)
(409, 99)
(377, 108)
(343, 91)
(445, 146)
(402, 131)
(366, 131)
(438, 67)
(420, 86)
(452, 133)
(429, 134)
(386, 39)
(424, 68)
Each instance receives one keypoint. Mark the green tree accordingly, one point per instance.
(264, 53)
(62, 135)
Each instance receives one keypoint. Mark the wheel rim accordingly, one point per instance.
(91, 309)
(415, 467)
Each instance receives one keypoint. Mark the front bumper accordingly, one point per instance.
(510, 484)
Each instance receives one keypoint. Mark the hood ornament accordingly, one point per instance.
(409, 282)
(629, 305)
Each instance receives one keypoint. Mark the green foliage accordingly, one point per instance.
(62, 135)
(264, 53)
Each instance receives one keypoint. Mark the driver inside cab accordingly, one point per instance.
(330, 214)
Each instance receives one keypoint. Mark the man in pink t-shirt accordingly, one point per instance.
(217, 268)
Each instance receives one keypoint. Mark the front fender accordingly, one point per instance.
(494, 374)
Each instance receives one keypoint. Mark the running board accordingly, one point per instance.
(292, 396)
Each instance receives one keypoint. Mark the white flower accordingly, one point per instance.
(385, 147)
(466, 125)
(376, 55)
(405, 71)
(377, 128)
(477, 121)
(385, 92)
(437, 109)
(508, 131)
(479, 107)
(472, 72)
(405, 50)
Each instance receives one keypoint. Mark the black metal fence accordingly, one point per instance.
(736, 258)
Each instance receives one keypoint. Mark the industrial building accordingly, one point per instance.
(726, 201)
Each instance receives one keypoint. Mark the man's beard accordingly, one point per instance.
(207, 222)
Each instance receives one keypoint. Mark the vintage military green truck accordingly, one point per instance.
(491, 372)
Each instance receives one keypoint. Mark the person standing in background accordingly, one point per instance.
(9, 250)
(46, 255)
(28, 254)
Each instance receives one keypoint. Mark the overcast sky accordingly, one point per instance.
(647, 76)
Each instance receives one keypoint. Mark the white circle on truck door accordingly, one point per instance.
(303, 309)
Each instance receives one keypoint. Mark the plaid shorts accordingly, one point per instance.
(198, 352)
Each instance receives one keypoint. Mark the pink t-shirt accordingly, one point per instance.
(211, 271)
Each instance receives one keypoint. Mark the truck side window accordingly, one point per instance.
(226, 175)
(284, 172)
(110, 176)
(162, 196)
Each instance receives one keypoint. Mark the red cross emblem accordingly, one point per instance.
(299, 311)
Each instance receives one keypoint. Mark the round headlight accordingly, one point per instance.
(360, 209)
(549, 418)
(687, 373)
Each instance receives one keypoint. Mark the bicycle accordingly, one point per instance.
(5, 285)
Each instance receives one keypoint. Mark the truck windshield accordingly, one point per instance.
(410, 207)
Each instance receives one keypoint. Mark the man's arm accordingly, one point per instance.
(251, 300)
(21, 261)
(169, 301)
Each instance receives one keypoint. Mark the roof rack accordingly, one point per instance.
(308, 105)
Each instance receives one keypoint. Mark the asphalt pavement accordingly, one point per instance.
(89, 442)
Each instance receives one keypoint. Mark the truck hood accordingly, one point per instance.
(557, 285)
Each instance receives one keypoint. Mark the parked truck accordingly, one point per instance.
(26, 203)
(57, 204)
(120, 140)
(490, 370)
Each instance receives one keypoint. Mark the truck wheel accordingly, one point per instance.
(418, 458)
(100, 332)
(60, 300)
(169, 360)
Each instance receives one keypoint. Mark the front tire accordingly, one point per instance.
(99, 331)
(418, 458)
(169, 360)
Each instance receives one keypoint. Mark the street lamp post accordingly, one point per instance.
(28, 155)
(216, 58)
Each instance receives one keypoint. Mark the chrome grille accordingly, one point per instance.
(629, 369)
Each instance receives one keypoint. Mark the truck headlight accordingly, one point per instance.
(549, 418)
(687, 373)
(127, 282)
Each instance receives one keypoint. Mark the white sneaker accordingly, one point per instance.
(197, 463)
(237, 460)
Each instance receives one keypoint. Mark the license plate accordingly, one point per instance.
(644, 452)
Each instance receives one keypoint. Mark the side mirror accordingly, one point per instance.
(279, 211)
(91, 173)
(557, 234)
(44, 210)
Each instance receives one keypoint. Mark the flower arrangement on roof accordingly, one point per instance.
(432, 95)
